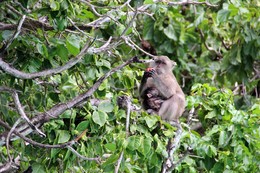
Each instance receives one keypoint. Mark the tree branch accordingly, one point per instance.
(22, 75)
(126, 103)
(60, 108)
(169, 164)
(20, 109)
(188, 2)
(207, 47)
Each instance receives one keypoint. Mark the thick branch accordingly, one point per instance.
(64, 145)
(20, 108)
(58, 109)
(169, 164)
(19, 74)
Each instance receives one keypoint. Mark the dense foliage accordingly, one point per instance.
(77, 44)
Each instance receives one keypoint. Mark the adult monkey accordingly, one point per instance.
(159, 90)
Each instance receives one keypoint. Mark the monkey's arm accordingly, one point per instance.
(167, 87)
(165, 83)
(144, 84)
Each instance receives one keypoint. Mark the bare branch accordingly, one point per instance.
(18, 30)
(130, 24)
(188, 2)
(64, 145)
(171, 148)
(207, 47)
(97, 159)
(103, 48)
(119, 162)
(23, 115)
(129, 42)
(20, 109)
(127, 103)
(60, 108)
(8, 138)
(19, 74)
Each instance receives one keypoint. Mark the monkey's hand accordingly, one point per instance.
(150, 72)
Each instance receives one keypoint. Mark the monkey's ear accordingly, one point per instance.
(173, 64)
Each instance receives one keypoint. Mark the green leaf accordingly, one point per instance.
(62, 52)
(38, 168)
(147, 143)
(63, 136)
(106, 106)
(161, 148)
(148, 29)
(148, 2)
(7, 34)
(41, 48)
(88, 14)
(73, 44)
(99, 117)
(199, 19)
(222, 15)
(222, 138)
(170, 32)
(133, 142)
(82, 126)
(211, 114)
(233, 10)
(111, 146)
(54, 5)
(111, 160)
(151, 121)
(91, 73)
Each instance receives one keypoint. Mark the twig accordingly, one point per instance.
(76, 26)
(119, 162)
(97, 159)
(207, 47)
(191, 113)
(64, 145)
(58, 109)
(18, 30)
(20, 109)
(103, 48)
(8, 138)
(188, 2)
(22, 75)
(178, 162)
(127, 102)
(130, 24)
(23, 115)
(132, 44)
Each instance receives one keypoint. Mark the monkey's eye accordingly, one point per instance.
(158, 61)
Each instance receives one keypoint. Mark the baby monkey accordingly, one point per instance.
(160, 92)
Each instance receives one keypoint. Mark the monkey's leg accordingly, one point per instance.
(171, 109)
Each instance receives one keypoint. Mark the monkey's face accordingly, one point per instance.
(162, 64)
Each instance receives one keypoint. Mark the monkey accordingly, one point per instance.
(159, 90)
(152, 101)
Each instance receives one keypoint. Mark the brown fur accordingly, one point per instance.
(161, 92)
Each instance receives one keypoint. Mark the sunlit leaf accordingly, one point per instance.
(99, 117)
(37, 168)
(63, 136)
(106, 106)
(170, 32)
(151, 121)
(133, 142)
(73, 44)
(222, 15)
